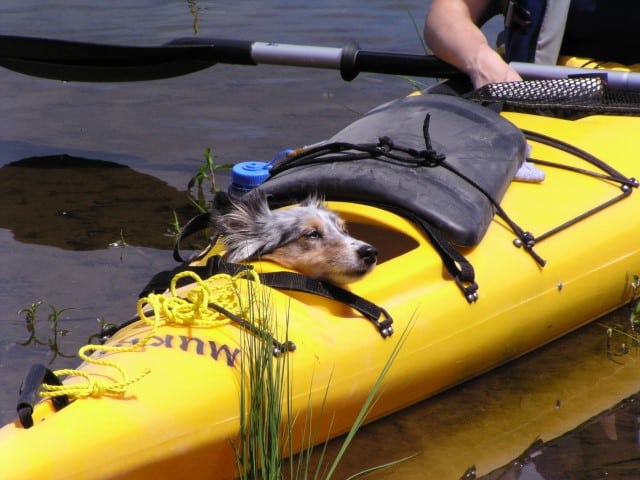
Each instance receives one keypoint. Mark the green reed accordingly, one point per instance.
(266, 420)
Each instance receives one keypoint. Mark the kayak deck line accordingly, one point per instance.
(157, 311)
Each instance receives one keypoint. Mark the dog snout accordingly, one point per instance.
(368, 254)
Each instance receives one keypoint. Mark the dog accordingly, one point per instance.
(307, 237)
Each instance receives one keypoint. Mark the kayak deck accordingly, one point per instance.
(182, 416)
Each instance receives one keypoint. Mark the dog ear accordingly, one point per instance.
(314, 200)
(221, 203)
(244, 226)
(243, 251)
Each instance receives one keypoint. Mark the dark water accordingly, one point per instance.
(84, 228)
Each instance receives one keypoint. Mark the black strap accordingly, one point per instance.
(196, 224)
(300, 283)
(220, 204)
(609, 175)
(29, 393)
(613, 174)
(525, 239)
(455, 263)
(280, 280)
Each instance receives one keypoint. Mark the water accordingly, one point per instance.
(159, 130)
(142, 142)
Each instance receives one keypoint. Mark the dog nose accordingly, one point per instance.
(368, 253)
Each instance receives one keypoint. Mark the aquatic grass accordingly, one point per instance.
(104, 327)
(418, 30)
(266, 392)
(417, 85)
(622, 337)
(201, 198)
(206, 172)
(30, 317)
(263, 380)
(194, 10)
(620, 341)
(309, 434)
(120, 243)
(634, 303)
(174, 228)
(53, 319)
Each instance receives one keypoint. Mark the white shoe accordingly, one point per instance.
(528, 172)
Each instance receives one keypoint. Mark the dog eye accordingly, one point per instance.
(313, 235)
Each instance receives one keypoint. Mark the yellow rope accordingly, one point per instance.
(222, 289)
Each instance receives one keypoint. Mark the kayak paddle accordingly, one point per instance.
(94, 62)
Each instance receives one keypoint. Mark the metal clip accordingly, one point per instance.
(470, 290)
(385, 327)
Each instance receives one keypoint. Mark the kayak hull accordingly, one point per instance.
(184, 415)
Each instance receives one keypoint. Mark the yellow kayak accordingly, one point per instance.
(170, 407)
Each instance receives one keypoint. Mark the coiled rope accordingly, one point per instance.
(158, 310)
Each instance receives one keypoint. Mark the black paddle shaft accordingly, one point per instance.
(350, 60)
(92, 62)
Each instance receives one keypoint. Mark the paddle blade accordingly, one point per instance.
(90, 62)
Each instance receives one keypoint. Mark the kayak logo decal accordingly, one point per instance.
(217, 352)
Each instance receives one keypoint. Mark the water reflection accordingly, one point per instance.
(80, 204)
(607, 446)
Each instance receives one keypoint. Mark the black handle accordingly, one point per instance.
(29, 396)
(355, 61)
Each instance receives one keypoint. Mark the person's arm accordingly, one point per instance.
(451, 31)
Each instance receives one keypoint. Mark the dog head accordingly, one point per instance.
(308, 238)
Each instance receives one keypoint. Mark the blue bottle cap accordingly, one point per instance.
(248, 175)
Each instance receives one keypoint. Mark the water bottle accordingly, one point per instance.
(245, 176)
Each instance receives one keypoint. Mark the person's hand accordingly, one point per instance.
(489, 67)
